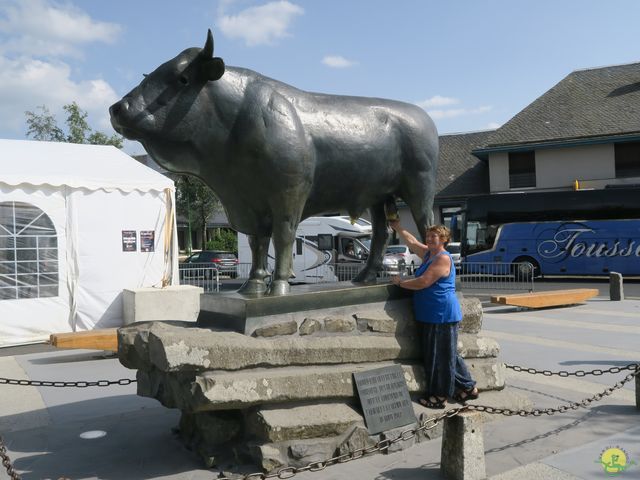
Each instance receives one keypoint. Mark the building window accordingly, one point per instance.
(522, 169)
(28, 252)
(627, 159)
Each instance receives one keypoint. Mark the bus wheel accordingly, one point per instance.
(524, 271)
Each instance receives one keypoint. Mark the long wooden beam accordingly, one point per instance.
(546, 299)
(105, 339)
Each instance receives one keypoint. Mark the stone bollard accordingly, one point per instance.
(462, 456)
(616, 290)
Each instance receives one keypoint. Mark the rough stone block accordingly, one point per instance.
(356, 439)
(268, 457)
(205, 432)
(284, 328)
(309, 326)
(194, 349)
(339, 325)
(303, 452)
(471, 315)
(299, 422)
(473, 346)
(462, 456)
(616, 287)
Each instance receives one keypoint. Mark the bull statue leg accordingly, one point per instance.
(284, 234)
(256, 285)
(369, 273)
(418, 194)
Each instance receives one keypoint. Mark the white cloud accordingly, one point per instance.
(438, 101)
(26, 84)
(493, 125)
(261, 25)
(337, 61)
(457, 112)
(42, 28)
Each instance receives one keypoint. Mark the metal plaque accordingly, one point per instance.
(384, 397)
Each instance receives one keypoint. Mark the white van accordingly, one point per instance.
(326, 249)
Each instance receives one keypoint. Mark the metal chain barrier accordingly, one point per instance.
(6, 462)
(577, 373)
(382, 445)
(562, 408)
(80, 384)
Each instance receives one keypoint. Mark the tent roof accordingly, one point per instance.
(93, 167)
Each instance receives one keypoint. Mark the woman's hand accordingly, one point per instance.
(396, 280)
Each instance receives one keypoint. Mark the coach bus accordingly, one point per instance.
(582, 232)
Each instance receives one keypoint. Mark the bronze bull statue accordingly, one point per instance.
(275, 155)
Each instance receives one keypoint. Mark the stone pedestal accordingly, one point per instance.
(176, 302)
(463, 448)
(279, 380)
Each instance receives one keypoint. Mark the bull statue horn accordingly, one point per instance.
(207, 51)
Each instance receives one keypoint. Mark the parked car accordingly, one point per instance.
(393, 264)
(411, 260)
(225, 262)
(454, 249)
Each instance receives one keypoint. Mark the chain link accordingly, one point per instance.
(61, 384)
(6, 462)
(577, 373)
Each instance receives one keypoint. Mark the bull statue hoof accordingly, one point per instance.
(278, 287)
(253, 287)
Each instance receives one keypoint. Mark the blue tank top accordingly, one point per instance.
(438, 303)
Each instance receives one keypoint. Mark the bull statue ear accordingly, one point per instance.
(213, 68)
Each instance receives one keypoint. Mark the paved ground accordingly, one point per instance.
(110, 433)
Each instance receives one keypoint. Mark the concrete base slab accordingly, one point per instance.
(245, 314)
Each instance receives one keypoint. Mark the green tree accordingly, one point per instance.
(223, 239)
(43, 126)
(196, 202)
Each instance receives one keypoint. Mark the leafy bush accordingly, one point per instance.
(224, 239)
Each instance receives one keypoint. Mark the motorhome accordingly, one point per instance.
(327, 249)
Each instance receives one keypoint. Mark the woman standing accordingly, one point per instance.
(437, 308)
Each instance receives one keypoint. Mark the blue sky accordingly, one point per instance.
(472, 64)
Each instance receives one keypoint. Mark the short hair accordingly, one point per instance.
(443, 232)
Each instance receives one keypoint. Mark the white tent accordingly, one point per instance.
(78, 224)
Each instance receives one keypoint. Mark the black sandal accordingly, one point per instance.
(464, 395)
(433, 402)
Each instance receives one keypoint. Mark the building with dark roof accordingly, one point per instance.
(585, 129)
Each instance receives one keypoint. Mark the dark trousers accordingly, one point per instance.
(445, 370)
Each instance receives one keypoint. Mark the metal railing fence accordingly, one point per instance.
(471, 275)
(496, 276)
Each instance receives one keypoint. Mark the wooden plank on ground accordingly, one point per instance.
(546, 299)
(105, 339)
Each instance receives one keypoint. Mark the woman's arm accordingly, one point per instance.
(440, 267)
(410, 241)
